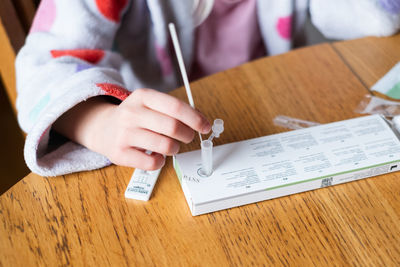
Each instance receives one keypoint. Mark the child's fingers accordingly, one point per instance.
(132, 157)
(175, 108)
(154, 142)
(163, 124)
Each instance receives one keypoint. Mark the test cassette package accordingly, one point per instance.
(291, 162)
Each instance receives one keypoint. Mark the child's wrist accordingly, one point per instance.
(79, 122)
(92, 133)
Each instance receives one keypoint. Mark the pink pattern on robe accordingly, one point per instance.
(284, 27)
(45, 16)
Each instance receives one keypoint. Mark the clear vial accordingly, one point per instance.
(206, 158)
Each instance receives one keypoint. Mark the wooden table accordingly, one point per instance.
(84, 219)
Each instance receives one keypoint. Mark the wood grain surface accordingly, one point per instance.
(84, 219)
(370, 58)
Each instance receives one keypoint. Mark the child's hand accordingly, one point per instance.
(146, 120)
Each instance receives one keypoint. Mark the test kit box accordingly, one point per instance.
(286, 163)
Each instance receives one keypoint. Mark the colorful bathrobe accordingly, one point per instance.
(78, 49)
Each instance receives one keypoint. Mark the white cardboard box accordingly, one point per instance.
(282, 164)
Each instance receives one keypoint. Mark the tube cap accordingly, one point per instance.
(218, 127)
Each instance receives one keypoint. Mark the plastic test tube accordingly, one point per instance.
(207, 147)
(206, 158)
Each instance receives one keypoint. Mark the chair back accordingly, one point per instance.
(15, 19)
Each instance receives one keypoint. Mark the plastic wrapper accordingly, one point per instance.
(293, 123)
(376, 105)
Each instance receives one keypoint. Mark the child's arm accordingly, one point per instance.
(64, 68)
(348, 19)
(147, 119)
